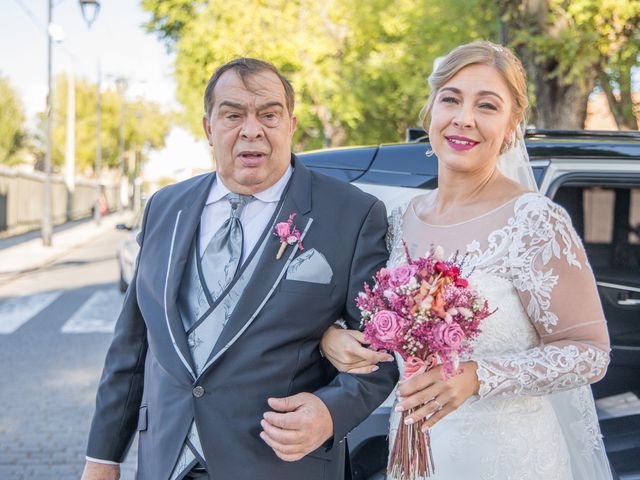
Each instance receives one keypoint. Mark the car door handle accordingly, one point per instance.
(629, 302)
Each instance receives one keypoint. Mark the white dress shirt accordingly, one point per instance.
(254, 218)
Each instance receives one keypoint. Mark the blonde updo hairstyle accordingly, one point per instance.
(481, 53)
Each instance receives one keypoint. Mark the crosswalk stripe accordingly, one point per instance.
(16, 311)
(98, 314)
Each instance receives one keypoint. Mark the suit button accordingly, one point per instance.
(198, 391)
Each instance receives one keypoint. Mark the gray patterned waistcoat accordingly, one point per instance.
(204, 314)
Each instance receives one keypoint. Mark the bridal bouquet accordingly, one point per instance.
(428, 314)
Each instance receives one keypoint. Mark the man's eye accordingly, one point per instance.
(270, 119)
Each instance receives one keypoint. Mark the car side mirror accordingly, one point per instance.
(122, 226)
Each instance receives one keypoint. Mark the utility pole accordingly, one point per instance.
(70, 161)
(98, 166)
(121, 85)
(46, 227)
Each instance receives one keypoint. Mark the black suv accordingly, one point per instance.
(595, 176)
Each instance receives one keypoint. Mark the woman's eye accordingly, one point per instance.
(449, 100)
(488, 106)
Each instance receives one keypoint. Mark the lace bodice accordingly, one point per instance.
(548, 333)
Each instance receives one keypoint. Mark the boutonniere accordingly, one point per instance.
(289, 235)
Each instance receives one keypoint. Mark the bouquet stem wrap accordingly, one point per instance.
(411, 456)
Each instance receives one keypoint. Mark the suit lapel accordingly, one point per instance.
(269, 271)
(184, 229)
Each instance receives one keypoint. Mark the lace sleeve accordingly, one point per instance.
(551, 273)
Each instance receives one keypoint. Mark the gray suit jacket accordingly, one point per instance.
(269, 347)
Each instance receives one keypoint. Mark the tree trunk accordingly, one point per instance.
(622, 106)
(559, 105)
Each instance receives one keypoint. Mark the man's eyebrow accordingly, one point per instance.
(481, 93)
(273, 103)
(228, 103)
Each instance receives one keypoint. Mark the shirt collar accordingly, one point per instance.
(272, 194)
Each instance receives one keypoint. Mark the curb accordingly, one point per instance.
(31, 255)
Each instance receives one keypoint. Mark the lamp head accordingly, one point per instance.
(90, 9)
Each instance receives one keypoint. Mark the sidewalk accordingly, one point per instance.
(19, 255)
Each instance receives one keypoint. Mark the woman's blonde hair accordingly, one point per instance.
(481, 53)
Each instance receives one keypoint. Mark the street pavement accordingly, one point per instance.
(58, 307)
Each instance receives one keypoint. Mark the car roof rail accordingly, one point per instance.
(417, 134)
(609, 134)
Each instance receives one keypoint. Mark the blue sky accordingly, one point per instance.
(124, 49)
(116, 37)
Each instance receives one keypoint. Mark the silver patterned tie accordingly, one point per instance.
(222, 257)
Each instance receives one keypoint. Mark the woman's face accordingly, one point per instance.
(471, 119)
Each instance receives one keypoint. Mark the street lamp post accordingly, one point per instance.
(90, 9)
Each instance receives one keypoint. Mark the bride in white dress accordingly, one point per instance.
(521, 407)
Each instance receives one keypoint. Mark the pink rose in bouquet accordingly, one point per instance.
(402, 275)
(449, 335)
(385, 325)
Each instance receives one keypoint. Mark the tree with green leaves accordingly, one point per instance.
(359, 67)
(570, 46)
(12, 133)
(145, 124)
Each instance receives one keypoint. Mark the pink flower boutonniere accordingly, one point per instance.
(289, 235)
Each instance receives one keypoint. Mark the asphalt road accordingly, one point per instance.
(55, 327)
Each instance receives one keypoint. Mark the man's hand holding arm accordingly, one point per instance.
(298, 425)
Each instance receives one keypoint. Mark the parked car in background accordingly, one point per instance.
(595, 176)
(128, 251)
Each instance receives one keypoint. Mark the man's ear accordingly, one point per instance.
(294, 124)
(206, 125)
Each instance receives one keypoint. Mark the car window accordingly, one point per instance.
(608, 221)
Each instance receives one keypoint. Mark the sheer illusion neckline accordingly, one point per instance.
(511, 201)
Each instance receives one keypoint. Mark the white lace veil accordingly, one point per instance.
(514, 163)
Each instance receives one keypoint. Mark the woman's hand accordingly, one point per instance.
(345, 350)
(436, 397)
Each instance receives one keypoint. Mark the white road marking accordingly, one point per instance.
(97, 315)
(17, 311)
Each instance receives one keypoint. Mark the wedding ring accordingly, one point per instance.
(440, 406)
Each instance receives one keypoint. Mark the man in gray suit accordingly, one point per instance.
(215, 359)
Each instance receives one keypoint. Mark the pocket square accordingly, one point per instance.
(310, 266)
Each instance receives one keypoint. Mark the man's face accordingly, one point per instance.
(250, 130)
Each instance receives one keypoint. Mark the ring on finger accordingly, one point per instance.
(440, 406)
